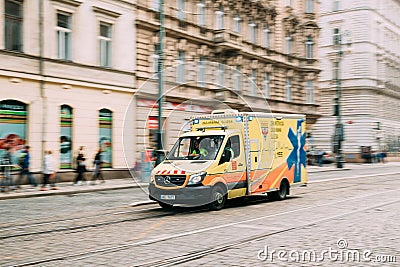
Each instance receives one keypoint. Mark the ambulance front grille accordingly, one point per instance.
(170, 180)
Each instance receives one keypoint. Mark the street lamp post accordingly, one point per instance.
(339, 132)
(160, 99)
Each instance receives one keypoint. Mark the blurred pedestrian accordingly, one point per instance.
(80, 169)
(49, 171)
(7, 182)
(97, 163)
(24, 162)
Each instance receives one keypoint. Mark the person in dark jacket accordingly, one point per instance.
(97, 174)
(25, 164)
(80, 169)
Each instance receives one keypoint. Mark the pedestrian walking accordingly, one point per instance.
(49, 171)
(97, 163)
(80, 169)
(7, 182)
(24, 163)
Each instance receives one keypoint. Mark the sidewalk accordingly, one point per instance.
(68, 188)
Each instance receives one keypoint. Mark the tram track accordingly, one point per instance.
(91, 220)
(219, 248)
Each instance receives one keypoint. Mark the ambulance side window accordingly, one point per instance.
(231, 150)
(235, 142)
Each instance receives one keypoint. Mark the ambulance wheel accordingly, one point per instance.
(218, 198)
(281, 193)
(165, 206)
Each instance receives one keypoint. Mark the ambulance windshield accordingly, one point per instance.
(196, 148)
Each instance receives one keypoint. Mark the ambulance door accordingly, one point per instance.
(233, 160)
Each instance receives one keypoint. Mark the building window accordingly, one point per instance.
(105, 45)
(288, 88)
(13, 25)
(13, 125)
(181, 9)
(236, 23)
(220, 75)
(336, 5)
(237, 79)
(219, 16)
(66, 137)
(156, 58)
(310, 92)
(253, 82)
(289, 43)
(309, 6)
(252, 32)
(201, 78)
(156, 5)
(105, 137)
(180, 69)
(267, 89)
(309, 47)
(64, 36)
(267, 37)
(202, 13)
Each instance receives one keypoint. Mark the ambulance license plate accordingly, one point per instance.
(167, 197)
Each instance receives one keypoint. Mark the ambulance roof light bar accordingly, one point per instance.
(224, 111)
(222, 127)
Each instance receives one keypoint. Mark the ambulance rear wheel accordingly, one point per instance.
(282, 193)
(218, 198)
(165, 206)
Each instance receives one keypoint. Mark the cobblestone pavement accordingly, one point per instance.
(364, 212)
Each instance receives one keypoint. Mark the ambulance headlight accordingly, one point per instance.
(196, 178)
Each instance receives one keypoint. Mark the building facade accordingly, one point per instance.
(369, 72)
(81, 72)
(247, 55)
(66, 78)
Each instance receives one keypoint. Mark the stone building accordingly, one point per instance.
(369, 73)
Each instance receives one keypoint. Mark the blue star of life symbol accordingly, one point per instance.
(298, 155)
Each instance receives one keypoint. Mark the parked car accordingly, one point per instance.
(314, 156)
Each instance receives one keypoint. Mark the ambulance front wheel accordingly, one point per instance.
(282, 193)
(218, 198)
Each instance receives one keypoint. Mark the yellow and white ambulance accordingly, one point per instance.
(230, 154)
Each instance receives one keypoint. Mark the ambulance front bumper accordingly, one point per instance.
(191, 196)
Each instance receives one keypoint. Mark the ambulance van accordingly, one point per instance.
(230, 154)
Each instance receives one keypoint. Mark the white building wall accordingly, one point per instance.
(367, 97)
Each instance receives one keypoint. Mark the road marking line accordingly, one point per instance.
(351, 177)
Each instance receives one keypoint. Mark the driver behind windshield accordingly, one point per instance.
(197, 151)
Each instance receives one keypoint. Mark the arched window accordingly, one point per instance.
(66, 137)
(105, 136)
(13, 118)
